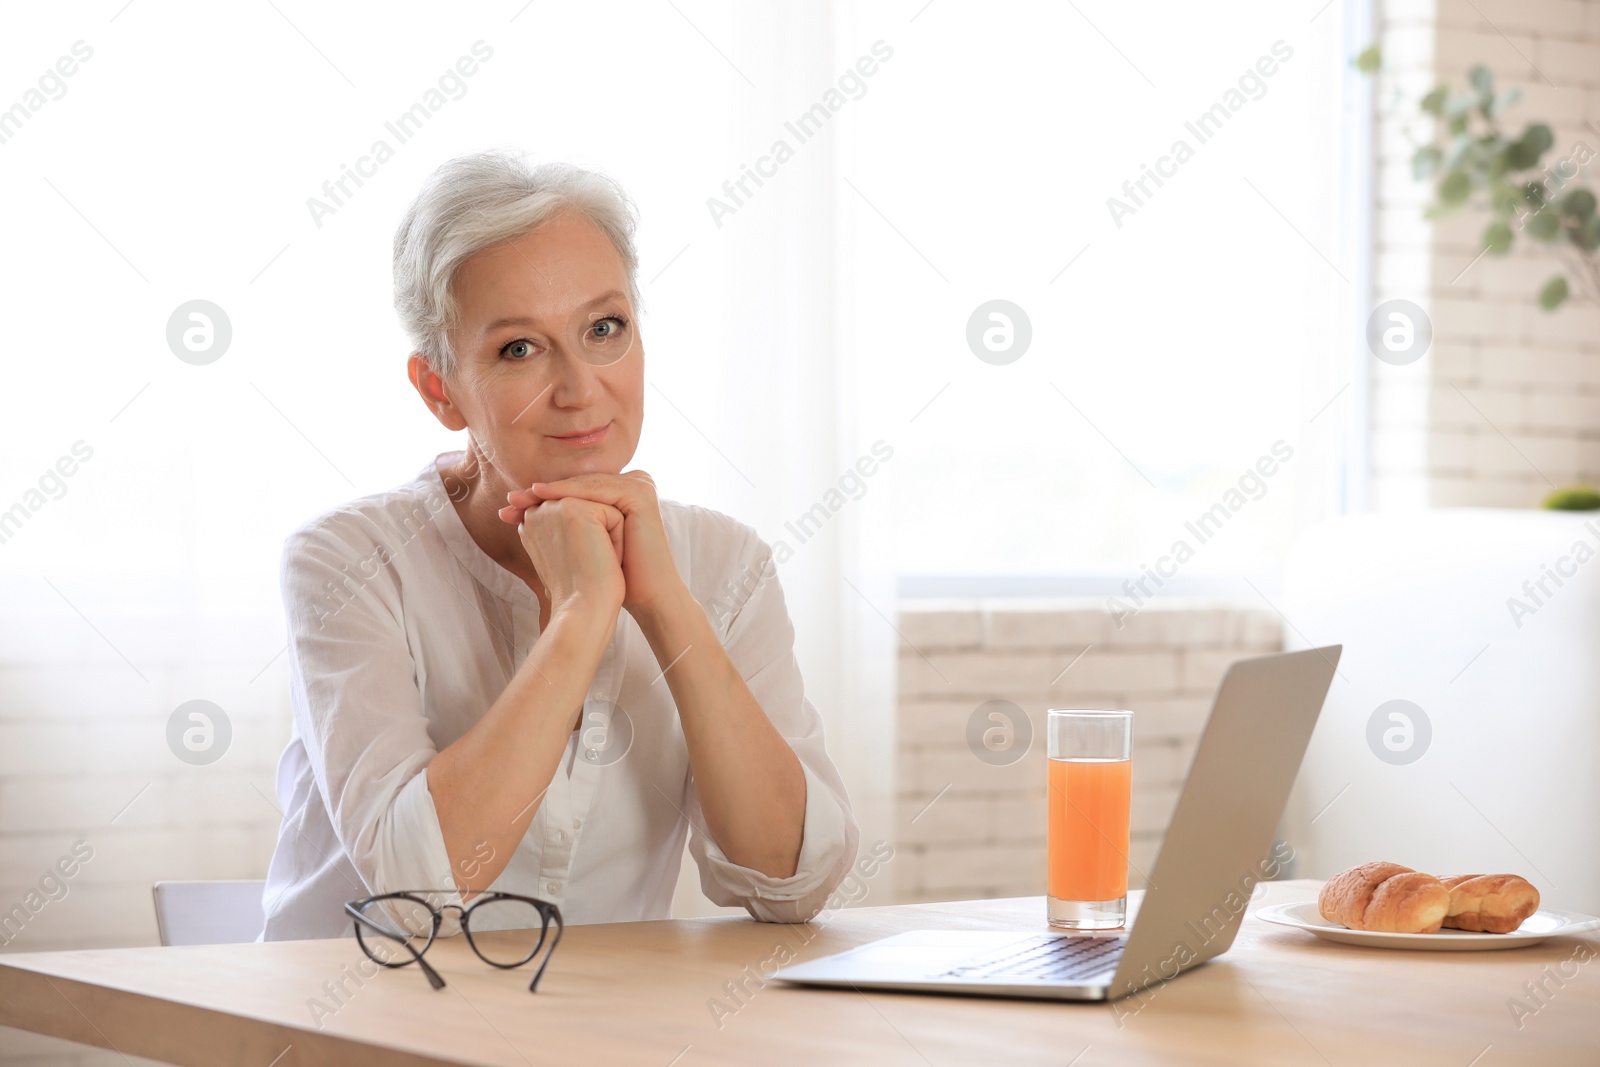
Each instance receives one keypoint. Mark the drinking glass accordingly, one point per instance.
(1091, 759)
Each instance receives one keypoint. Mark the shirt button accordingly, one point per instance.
(591, 754)
(553, 886)
(577, 824)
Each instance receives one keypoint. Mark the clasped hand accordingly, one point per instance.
(597, 537)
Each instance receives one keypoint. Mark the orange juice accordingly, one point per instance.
(1088, 828)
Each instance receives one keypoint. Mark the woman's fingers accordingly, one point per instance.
(611, 500)
(515, 514)
(618, 490)
(611, 489)
(614, 516)
(565, 547)
(518, 501)
(616, 540)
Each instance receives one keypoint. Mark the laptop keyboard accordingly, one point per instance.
(1047, 958)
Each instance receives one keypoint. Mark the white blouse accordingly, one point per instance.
(403, 632)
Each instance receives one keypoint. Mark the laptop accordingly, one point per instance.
(1217, 847)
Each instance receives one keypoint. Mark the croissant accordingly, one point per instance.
(1491, 903)
(1387, 897)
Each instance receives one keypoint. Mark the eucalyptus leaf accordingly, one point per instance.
(1503, 102)
(1497, 238)
(1553, 293)
(1577, 205)
(1588, 236)
(1455, 188)
(1504, 199)
(1519, 156)
(1544, 224)
(1433, 103)
(1538, 138)
(1370, 59)
(1425, 162)
(1480, 79)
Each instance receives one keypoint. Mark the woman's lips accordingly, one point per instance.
(592, 437)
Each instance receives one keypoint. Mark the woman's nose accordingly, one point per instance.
(574, 381)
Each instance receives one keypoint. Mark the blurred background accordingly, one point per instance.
(1100, 281)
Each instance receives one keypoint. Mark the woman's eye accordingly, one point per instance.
(518, 350)
(608, 327)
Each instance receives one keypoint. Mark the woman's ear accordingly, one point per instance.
(434, 392)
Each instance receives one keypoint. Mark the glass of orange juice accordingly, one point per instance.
(1091, 759)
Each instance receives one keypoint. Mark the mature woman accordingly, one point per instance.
(521, 670)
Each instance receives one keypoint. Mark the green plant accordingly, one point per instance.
(1471, 160)
(1573, 498)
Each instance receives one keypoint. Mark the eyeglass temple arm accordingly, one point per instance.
(533, 986)
(434, 978)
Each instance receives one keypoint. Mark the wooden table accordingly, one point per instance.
(668, 993)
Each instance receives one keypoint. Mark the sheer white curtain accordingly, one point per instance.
(772, 383)
(1157, 188)
(153, 571)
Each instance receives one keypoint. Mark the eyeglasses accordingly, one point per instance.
(518, 925)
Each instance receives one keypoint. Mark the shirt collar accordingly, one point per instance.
(458, 539)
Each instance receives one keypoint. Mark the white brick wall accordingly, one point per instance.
(966, 828)
(1507, 402)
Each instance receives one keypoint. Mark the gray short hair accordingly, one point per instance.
(477, 200)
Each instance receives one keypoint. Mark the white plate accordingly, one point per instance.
(1546, 922)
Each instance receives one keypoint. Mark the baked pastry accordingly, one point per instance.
(1386, 897)
(1490, 903)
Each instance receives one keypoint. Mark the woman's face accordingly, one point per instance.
(547, 349)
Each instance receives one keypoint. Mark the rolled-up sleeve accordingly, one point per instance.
(358, 710)
(759, 638)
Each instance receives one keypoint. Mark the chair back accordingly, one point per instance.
(209, 913)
